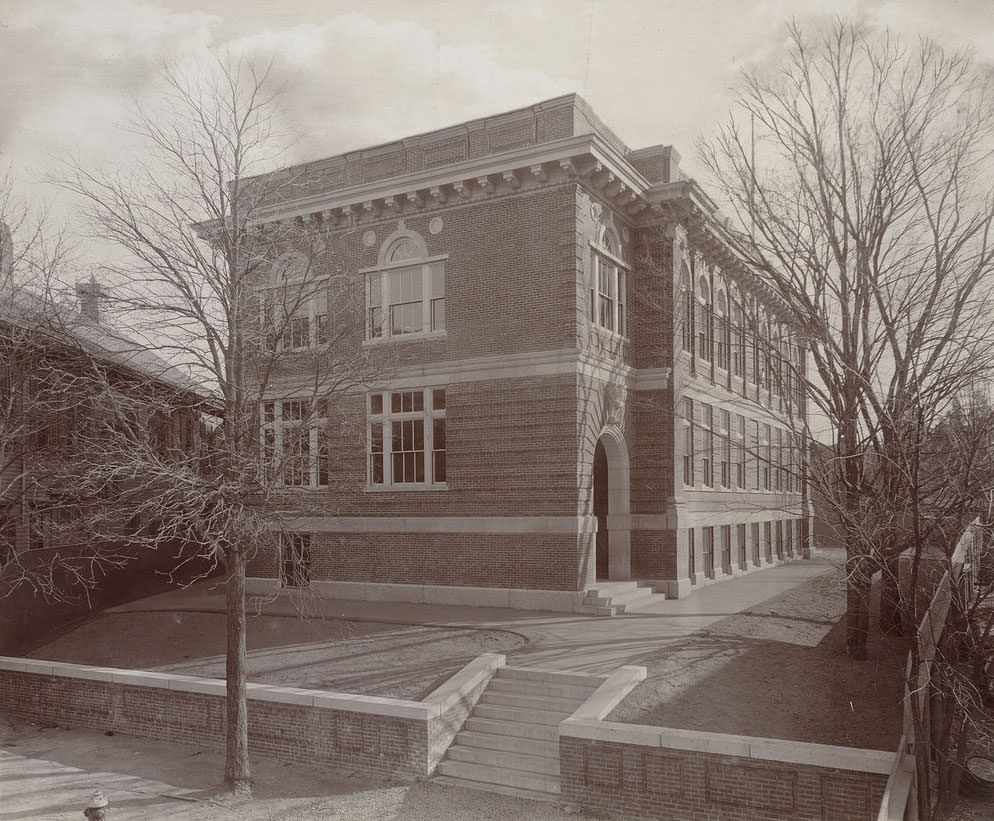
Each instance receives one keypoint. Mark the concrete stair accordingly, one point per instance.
(510, 742)
(612, 598)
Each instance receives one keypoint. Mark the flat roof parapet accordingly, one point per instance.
(566, 116)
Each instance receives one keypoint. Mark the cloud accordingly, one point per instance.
(67, 67)
(355, 81)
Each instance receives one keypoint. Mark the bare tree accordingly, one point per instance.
(858, 170)
(233, 298)
(858, 174)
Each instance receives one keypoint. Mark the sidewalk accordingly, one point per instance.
(49, 773)
(555, 640)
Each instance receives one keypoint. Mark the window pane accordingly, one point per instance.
(405, 318)
(438, 399)
(322, 457)
(438, 280)
(376, 404)
(439, 467)
(438, 314)
(375, 323)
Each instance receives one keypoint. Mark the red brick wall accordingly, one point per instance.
(657, 782)
(380, 744)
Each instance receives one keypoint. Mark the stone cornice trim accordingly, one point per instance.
(598, 151)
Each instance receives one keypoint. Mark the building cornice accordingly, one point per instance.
(586, 158)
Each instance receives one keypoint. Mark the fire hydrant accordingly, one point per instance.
(97, 807)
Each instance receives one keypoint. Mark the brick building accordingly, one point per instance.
(579, 382)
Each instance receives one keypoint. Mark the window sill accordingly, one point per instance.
(404, 488)
(387, 340)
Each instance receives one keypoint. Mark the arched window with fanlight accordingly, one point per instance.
(405, 292)
(685, 309)
(294, 313)
(736, 335)
(703, 319)
(721, 331)
(608, 297)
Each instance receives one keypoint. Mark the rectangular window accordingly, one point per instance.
(754, 536)
(294, 441)
(725, 448)
(292, 318)
(726, 548)
(688, 442)
(736, 344)
(741, 533)
(789, 537)
(778, 454)
(740, 451)
(406, 435)
(768, 540)
(779, 543)
(764, 457)
(295, 559)
(406, 300)
(707, 550)
(707, 444)
(691, 554)
(755, 455)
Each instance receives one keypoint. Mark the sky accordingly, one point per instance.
(656, 71)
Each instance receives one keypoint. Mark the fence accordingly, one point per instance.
(900, 801)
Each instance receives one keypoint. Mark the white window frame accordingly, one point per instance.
(382, 279)
(607, 266)
(382, 418)
(271, 421)
(308, 297)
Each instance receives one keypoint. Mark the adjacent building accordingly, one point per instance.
(576, 379)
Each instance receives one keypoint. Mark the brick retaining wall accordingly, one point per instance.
(391, 737)
(613, 768)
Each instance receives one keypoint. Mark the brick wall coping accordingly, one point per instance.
(375, 705)
(761, 749)
(610, 694)
(456, 689)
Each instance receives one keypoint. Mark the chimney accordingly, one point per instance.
(90, 293)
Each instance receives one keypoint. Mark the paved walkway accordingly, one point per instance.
(555, 641)
(48, 773)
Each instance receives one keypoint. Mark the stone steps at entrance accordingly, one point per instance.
(509, 743)
(612, 598)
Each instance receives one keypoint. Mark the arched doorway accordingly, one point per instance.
(610, 506)
(600, 509)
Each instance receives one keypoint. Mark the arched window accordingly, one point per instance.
(288, 269)
(763, 371)
(404, 248)
(294, 309)
(721, 331)
(776, 359)
(736, 335)
(703, 322)
(608, 282)
(685, 309)
(405, 293)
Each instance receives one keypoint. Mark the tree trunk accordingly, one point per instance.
(237, 774)
(857, 606)
(891, 620)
